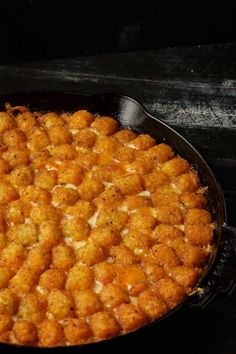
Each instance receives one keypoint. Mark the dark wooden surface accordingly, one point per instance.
(45, 29)
(192, 89)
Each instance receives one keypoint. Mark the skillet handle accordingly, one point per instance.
(221, 279)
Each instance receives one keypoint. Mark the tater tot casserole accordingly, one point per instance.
(102, 230)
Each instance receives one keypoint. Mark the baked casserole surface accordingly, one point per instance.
(102, 230)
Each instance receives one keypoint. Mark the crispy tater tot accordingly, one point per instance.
(6, 122)
(38, 139)
(107, 172)
(25, 332)
(16, 212)
(104, 272)
(112, 295)
(84, 138)
(133, 202)
(24, 234)
(113, 217)
(14, 138)
(90, 189)
(197, 217)
(45, 179)
(104, 325)
(161, 152)
(129, 184)
(154, 180)
(36, 195)
(171, 292)
(7, 193)
(63, 257)
(2, 223)
(161, 199)
(81, 209)
(169, 215)
(80, 277)
(37, 260)
(70, 173)
(142, 165)
(194, 256)
(199, 235)
(63, 152)
(4, 167)
(31, 309)
(51, 119)
(50, 333)
(8, 302)
(163, 233)
(6, 322)
(135, 239)
(13, 256)
(21, 176)
(184, 276)
(124, 135)
(134, 280)
(106, 236)
(4, 277)
(44, 212)
(105, 145)
(142, 223)
(175, 167)
(59, 304)
(52, 279)
(142, 142)
(110, 198)
(86, 159)
(78, 229)
(105, 125)
(91, 253)
(87, 302)
(59, 135)
(130, 317)
(188, 182)
(123, 255)
(26, 121)
(77, 331)
(151, 304)
(194, 200)
(80, 119)
(16, 157)
(190, 255)
(154, 272)
(164, 256)
(125, 154)
(62, 196)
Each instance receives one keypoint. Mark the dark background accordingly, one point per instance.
(179, 60)
(47, 28)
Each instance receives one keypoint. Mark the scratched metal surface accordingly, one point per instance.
(192, 89)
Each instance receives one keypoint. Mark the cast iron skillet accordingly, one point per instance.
(131, 113)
